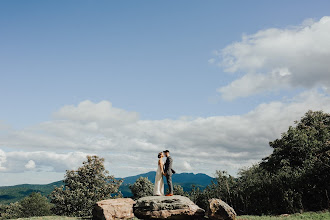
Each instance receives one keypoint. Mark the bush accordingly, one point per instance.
(13, 210)
(178, 190)
(33, 205)
(142, 187)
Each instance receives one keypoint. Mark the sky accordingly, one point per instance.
(212, 81)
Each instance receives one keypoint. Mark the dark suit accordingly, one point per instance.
(169, 172)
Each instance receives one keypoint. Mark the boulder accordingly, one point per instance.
(219, 210)
(121, 208)
(167, 207)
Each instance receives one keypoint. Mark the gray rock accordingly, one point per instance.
(219, 210)
(110, 209)
(167, 207)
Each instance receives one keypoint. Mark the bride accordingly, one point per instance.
(159, 182)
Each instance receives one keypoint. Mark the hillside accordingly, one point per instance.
(10, 194)
(186, 180)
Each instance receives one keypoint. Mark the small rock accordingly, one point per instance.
(219, 210)
(121, 208)
(163, 207)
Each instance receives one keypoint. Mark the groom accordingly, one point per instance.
(168, 172)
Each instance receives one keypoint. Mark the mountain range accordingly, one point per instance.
(10, 194)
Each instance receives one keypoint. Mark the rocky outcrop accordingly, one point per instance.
(219, 210)
(121, 208)
(162, 207)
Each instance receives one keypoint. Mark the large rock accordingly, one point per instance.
(121, 208)
(163, 207)
(219, 210)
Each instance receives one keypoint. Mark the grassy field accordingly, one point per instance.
(304, 216)
(50, 218)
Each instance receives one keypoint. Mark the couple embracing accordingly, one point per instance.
(164, 170)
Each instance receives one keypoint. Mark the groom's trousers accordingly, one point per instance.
(169, 183)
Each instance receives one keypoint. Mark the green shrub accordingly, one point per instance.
(33, 205)
(142, 187)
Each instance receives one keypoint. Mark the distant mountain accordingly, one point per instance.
(186, 180)
(197, 179)
(10, 194)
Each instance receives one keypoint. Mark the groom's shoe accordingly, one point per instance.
(170, 194)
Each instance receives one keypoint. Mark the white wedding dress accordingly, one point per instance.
(159, 182)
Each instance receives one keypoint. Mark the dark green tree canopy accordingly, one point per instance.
(294, 178)
(302, 147)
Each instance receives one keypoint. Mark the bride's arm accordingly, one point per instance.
(161, 166)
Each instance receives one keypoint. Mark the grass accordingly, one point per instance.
(50, 218)
(304, 216)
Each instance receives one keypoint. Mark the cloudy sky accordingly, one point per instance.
(212, 81)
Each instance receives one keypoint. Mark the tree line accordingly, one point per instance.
(294, 178)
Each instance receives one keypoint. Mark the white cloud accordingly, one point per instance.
(3, 159)
(30, 165)
(273, 59)
(48, 161)
(197, 145)
(186, 166)
(102, 112)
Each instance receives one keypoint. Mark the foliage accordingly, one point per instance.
(142, 187)
(83, 188)
(178, 190)
(198, 196)
(294, 178)
(13, 210)
(33, 205)
(301, 162)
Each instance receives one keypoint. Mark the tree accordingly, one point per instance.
(178, 190)
(35, 205)
(294, 178)
(198, 196)
(83, 188)
(142, 187)
(301, 162)
(13, 210)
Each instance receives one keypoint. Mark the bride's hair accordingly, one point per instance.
(160, 155)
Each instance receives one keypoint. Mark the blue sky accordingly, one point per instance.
(164, 61)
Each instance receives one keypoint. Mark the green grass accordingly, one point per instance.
(50, 218)
(305, 216)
